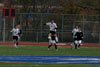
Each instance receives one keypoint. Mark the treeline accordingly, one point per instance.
(55, 6)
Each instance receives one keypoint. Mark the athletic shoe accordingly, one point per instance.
(56, 49)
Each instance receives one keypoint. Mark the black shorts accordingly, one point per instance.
(52, 32)
(75, 39)
(15, 38)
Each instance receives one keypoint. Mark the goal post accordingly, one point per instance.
(8, 13)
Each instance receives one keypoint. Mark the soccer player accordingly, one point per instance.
(78, 38)
(74, 32)
(52, 41)
(20, 31)
(16, 35)
(52, 25)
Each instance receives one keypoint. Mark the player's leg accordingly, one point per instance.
(76, 44)
(14, 40)
(49, 36)
(56, 47)
(79, 45)
(80, 42)
(49, 46)
(53, 33)
(15, 43)
(17, 40)
(73, 46)
(56, 37)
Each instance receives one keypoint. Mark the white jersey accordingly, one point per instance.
(52, 26)
(15, 32)
(74, 31)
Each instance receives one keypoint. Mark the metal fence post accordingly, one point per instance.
(99, 37)
(4, 30)
(62, 26)
(37, 39)
(13, 22)
(41, 25)
(83, 27)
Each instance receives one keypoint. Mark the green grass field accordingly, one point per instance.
(44, 65)
(42, 51)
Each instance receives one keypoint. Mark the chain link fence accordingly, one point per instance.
(35, 31)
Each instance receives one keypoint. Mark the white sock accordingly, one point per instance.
(15, 45)
(56, 39)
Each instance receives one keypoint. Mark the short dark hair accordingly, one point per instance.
(15, 25)
(51, 19)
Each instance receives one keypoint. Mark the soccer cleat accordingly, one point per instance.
(78, 48)
(48, 49)
(56, 49)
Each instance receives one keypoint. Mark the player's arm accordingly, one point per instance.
(20, 32)
(48, 23)
(44, 24)
(82, 35)
(76, 34)
(11, 30)
(73, 31)
(55, 26)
